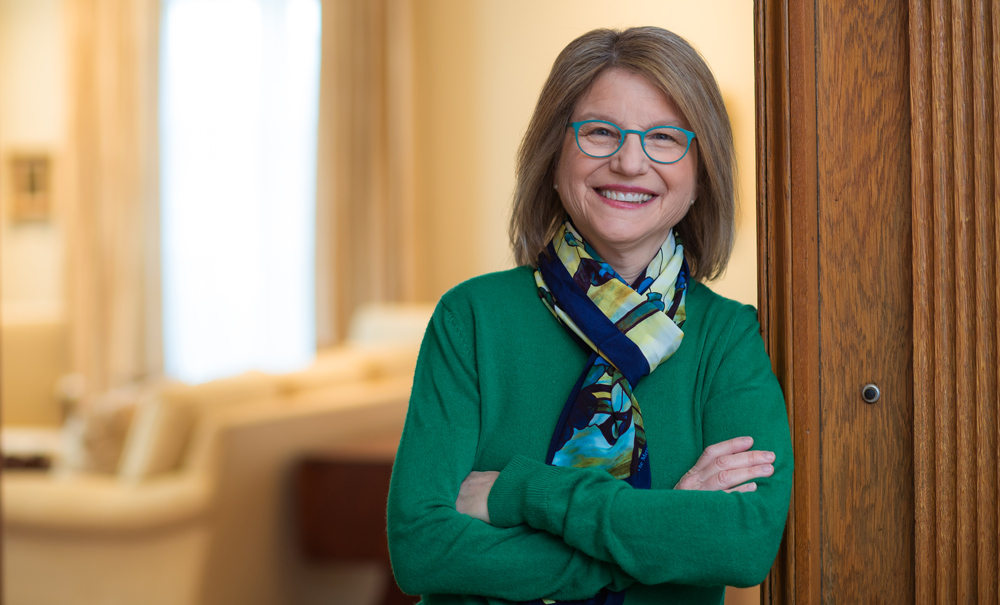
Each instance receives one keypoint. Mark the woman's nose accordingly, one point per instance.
(630, 158)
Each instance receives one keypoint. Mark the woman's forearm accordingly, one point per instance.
(667, 535)
(656, 536)
(443, 551)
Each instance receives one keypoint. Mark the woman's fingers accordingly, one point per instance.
(474, 493)
(719, 450)
(746, 487)
(729, 478)
(727, 465)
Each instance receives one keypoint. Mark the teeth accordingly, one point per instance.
(636, 198)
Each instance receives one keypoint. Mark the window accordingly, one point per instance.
(238, 104)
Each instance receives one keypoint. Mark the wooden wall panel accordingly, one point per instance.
(788, 278)
(917, 84)
(954, 93)
(863, 212)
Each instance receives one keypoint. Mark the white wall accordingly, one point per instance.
(480, 66)
(32, 118)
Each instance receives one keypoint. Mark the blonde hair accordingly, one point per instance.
(672, 65)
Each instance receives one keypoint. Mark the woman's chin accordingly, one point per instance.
(625, 242)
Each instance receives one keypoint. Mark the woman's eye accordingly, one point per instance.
(600, 131)
(666, 138)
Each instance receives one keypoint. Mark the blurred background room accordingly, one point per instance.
(224, 226)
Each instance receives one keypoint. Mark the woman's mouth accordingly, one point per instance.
(619, 196)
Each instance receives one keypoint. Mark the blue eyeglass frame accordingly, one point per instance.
(642, 139)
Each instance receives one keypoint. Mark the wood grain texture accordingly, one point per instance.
(879, 155)
(865, 310)
(954, 84)
(802, 250)
(923, 328)
(943, 446)
(788, 292)
(965, 513)
(985, 82)
(772, 285)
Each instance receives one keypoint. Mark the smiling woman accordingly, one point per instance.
(623, 204)
(597, 422)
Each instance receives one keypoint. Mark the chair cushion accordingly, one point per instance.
(94, 434)
(335, 365)
(161, 430)
(389, 323)
(351, 363)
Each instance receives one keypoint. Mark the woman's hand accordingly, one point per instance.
(474, 494)
(728, 466)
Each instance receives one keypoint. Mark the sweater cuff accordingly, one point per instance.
(520, 489)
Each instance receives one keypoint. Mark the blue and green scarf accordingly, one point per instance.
(630, 330)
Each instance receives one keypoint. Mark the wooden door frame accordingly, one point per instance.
(819, 339)
(786, 149)
(954, 86)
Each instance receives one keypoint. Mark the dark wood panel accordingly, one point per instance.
(788, 281)
(865, 311)
(985, 24)
(341, 508)
(773, 295)
(802, 249)
(942, 450)
(923, 324)
(954, 112)
(965, 378)
(879, 249)
(340, 513)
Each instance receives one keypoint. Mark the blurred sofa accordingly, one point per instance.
(34, 352)
(198, 507)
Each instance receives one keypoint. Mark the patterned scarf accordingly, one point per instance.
(630, 331)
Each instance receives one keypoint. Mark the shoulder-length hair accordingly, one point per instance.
(672, 65)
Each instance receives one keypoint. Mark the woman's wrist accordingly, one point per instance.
(516, 490)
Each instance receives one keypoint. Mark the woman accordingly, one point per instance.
(580, 427)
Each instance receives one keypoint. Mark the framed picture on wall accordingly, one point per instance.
(31, 186)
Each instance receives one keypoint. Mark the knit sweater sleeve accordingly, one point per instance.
(433, 548)
(665, 535)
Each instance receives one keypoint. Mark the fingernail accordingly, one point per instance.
(748, 440)
(767, 469)
(769, 456)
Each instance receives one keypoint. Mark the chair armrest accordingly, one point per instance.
(93, 503)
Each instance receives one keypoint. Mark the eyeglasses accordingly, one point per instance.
(662, 144)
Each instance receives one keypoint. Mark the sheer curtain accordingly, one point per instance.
(111, 192)
(239, 102)
(367, 211)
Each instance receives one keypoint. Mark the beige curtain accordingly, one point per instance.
(112, 191)
(365, 188)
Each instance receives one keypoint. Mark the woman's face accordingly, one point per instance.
(630, 231)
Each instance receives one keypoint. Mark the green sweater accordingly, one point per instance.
(494, 372)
